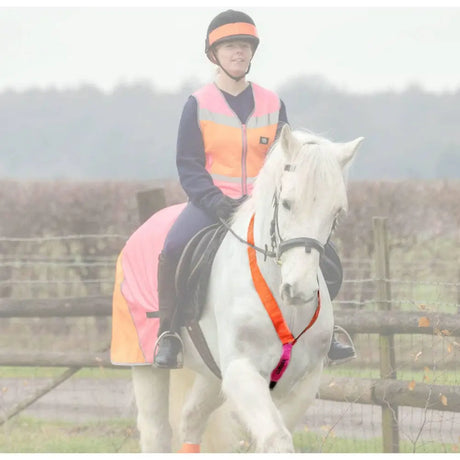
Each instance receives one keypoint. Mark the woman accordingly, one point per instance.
(225, 131)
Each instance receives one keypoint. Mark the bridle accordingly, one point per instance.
(277, 249)
(284, 245)
(278, 245)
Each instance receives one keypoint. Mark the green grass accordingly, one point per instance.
(52, 372)
(313, 442)
(29, 435)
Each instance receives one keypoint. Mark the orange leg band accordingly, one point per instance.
(189, 449)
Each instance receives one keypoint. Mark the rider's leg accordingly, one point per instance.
(331, 268)
(189, 222)
(169, 346)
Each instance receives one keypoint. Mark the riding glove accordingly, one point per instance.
(226, 206)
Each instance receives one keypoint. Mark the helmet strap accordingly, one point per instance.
(227, 73)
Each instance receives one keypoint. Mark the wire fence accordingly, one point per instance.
(425, 280)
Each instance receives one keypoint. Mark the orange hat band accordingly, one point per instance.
(227, 30)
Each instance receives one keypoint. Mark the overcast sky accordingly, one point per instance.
(357, 49)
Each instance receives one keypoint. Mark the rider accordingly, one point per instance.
(225, 131)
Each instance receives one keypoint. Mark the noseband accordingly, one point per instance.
(277, 249)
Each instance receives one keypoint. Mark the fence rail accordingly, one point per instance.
(366, 391)
(371, 322)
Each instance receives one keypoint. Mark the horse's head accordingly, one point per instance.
(310, 195)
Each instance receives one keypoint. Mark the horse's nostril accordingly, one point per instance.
(286, 291)
(288, 294)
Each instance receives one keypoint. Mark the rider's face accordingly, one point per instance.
(234, 56)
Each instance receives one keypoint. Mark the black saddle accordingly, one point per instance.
(331, 267)
(194, 269)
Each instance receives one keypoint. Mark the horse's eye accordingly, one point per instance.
(336, 220)
(286, 204)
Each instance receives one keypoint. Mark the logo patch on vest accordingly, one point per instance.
(263, 140)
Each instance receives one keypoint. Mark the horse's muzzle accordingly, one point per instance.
(291, 296)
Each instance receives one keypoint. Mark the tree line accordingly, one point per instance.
(130, 133)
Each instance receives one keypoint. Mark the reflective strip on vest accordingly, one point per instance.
(232, 121)
(235, 152)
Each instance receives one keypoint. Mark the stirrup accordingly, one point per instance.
(346, 341)
(180, 355)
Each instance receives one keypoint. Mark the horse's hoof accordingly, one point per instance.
(280, 442)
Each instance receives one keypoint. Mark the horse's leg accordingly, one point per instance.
(296, 403)
(151, 390)
(204, 397)
(250, 394)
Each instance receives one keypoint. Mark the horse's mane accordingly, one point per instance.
(322, 166)
(321, 169)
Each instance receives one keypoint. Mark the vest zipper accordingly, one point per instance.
(244, 154)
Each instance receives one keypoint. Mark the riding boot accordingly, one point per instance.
(331, 267)
(339, 353)
(169, 344)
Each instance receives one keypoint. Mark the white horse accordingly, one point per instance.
(297, 198)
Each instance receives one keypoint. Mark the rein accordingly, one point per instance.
(273, 310)
(277, 249)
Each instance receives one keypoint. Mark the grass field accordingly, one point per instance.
(120, 436)
(29, 435)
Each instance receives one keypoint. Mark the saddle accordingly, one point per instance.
(193, 270)
(192, 280)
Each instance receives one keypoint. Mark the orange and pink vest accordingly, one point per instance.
(235, 152)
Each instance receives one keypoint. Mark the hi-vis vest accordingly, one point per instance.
(235, 152)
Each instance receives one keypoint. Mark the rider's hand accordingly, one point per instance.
(226, 206)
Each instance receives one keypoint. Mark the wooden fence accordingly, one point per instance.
(387, 391)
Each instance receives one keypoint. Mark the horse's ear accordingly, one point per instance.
(348, 150)
(289, 143)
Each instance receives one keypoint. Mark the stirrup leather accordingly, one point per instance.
(180, 355)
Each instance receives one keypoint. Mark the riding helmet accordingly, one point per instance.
(231, 25)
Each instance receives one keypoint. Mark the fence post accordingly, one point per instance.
(390, 432)
(149, 202)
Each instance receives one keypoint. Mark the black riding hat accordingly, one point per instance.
(231, 25)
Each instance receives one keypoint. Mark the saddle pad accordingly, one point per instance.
(135, 290)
